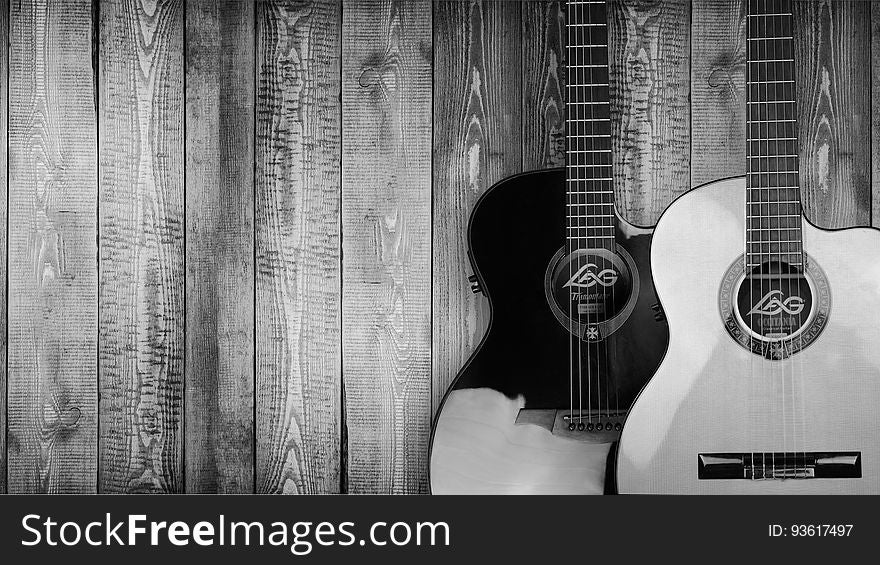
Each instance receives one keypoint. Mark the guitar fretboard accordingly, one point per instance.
(588, 128)
(773, 207)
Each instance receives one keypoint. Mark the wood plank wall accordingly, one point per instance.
(234, 230)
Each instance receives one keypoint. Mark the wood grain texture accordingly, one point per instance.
(833, 69)
(4, 123)
(297, 247)
(219, 400)
(718, 55)
(543, 81)
(52, 253)
(386, 223)
(649, 55)
(477, 142)
(875, 113)
(141, 246)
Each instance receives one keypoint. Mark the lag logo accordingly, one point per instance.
(586, 277)
(771, 305)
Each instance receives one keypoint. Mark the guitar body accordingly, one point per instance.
(712, 396)
(500, 428)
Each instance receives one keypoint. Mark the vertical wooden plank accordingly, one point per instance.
(141, 245)
(4, 122)
(386, 223)
(53, 275)
(875, 113)
(834, 110)
(718, 40)
(219, 400)
(543, 80)
(297, 246)
(649, 57)
(477, 142)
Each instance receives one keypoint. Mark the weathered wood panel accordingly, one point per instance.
(875, 113)
(477, 142)
(834, 110)
(297, 247)
(718, 54)
(52, 267)
(543, 81)
(4, 122)
(649, 55)
(141, 246)
(219, 401)
(386, 223)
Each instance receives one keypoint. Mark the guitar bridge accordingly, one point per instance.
(588, 426)
(788, 465)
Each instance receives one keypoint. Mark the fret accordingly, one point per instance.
(767, 202)
(769, 156)
(772, 164)
(772, 147)
(778, 179)
(771, 130)
(762, 102)
(770, 121)
(770, 70)
(586, 25)
(769, 38)
(761, 15)
(778, 231)
(585, 86)
(767, 52)
(773, 110)
(589, 203)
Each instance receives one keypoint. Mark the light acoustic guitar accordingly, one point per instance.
(771, 384)
(574, 332)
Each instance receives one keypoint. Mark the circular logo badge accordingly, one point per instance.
(775, 309)
(592, 291)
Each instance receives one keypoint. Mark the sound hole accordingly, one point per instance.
(591, 286)
(775, 300)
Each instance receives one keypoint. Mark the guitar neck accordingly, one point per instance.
(588, 128)
(773, 207)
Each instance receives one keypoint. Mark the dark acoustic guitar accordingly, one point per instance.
(575, 330)
(771, 384)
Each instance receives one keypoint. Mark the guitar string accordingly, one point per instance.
(764, 179)
(775, 366)
(576, 88)
(799, 223)
(586, 35)
(593, 220)
(580, 185)
(784, 258)
(749, 207)
(569, 160)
